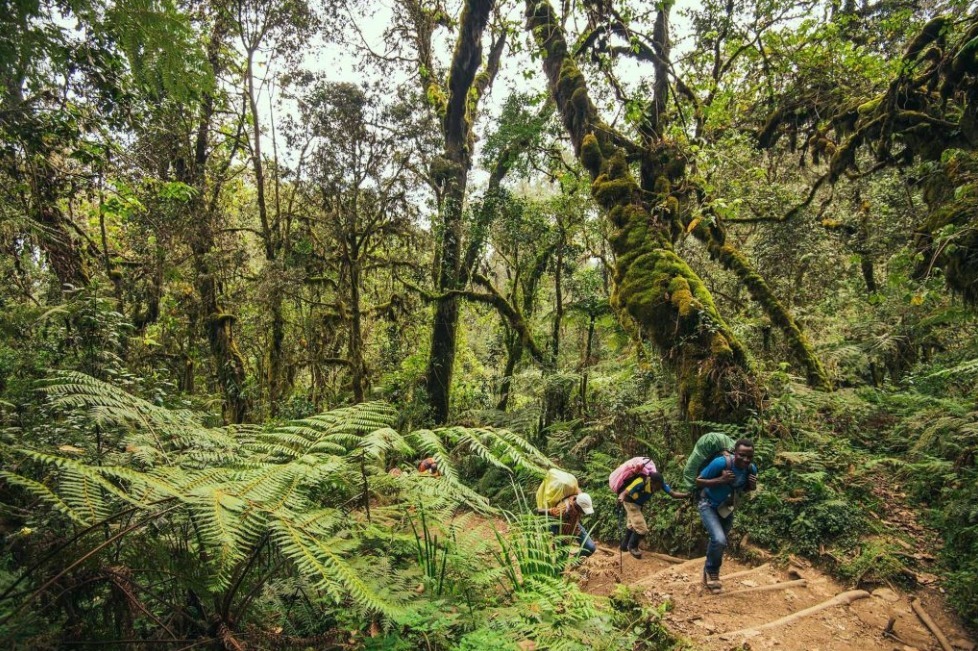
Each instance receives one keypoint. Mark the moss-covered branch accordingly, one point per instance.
(713, 235)
(658, 289)
(490, 297)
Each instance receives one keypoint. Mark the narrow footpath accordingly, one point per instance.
(768, 607)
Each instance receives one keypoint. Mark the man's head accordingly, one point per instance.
(743, 453)
(584, 503)
(656, 480)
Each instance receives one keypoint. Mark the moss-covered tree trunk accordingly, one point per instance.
(63, 254)
(457, 109)
(358, 369)
(658, 289)
(219, 325)
(514, 352)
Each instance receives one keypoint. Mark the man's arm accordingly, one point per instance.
(715, 474)
(679, 495)
(631, 491)
(557, 511)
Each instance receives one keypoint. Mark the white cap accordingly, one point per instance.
(584, 501)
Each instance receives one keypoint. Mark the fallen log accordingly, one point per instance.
(800, 583)
(841, 599)
(930, 624)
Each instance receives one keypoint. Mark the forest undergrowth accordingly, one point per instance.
(299, 533)
(263, 258)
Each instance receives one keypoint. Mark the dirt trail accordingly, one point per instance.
(723, 622)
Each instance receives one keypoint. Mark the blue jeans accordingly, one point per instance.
(587, 545)
(717, 527)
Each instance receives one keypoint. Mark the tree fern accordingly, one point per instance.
(45, 494)
(282, 491)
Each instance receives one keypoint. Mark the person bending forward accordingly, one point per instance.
(633, 496)
(568, 512)
(722, 482)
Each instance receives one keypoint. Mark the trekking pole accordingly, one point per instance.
(619, 511)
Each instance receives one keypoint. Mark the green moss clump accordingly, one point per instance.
(437, 99)
(569, 79)
(682, 296)
(868, 108)
(671, 206)
(609, 192)
(618, 166)
(719, 346)
(591, 155)
(662, 185)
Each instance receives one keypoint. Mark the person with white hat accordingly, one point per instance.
(569, 512)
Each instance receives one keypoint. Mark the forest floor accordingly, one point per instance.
(752, 613)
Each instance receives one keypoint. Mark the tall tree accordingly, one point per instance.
(277, 29)
(455, 99)
(198, 167)
(659, 290)
(360, 222)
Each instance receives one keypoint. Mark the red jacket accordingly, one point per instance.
(429, 465)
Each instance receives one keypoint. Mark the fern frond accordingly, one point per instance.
(224, 527)
(430, 444)
(45, 494)
(320, 560)
(383, 440)
(441, 493)
(78, 481)
(475, 441)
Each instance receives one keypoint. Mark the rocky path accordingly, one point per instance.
(769, 607)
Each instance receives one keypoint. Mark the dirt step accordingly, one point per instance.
(772, 609)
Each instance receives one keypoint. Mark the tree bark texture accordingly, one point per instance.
(64, 257)
(357, 363)
(457, 159)
(655, 286)
(219, 325)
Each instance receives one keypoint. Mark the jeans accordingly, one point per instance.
(587, 545)
(717, 527)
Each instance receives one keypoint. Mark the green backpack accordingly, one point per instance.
(707, 448)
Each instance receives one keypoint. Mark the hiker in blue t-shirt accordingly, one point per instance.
(721, 482)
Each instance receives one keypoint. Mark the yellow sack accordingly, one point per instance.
(557, 484)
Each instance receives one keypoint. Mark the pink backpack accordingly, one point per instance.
(629, 470)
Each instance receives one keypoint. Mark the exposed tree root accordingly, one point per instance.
(930, 624)
(746, 572)
(841, 599)
(800, 583)
(667, 558)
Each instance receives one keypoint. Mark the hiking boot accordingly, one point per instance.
(633, 545)
(624, 539)
(712, 580)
